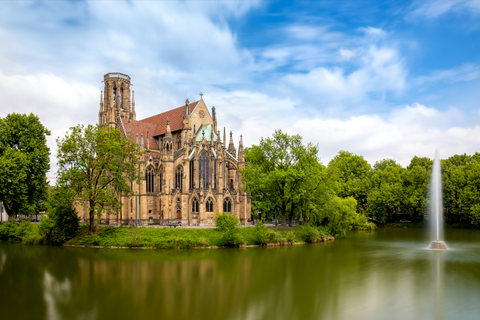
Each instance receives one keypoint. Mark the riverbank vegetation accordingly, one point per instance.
(227, 234)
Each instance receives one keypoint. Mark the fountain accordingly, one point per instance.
(436, 206)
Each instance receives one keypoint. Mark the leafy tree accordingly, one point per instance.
(95, 165)
(228, 224)
(353, 177)
(416, 183)
(24, 162)
(277, 168)
(386, 196)
(344, 216)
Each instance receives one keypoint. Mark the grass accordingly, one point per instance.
(168, 238)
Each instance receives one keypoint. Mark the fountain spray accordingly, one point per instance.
(436, 205)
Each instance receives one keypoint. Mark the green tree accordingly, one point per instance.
(95, 165)
(344, 216)
(415, 184)
(24, 162)
(277, 168)
(386, 197)
(353, 177)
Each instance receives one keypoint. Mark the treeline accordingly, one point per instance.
(284, 175)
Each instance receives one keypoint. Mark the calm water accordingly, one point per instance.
(386, 274)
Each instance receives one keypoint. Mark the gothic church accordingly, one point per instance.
(188, 171)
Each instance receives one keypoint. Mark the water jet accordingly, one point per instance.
(436, 206)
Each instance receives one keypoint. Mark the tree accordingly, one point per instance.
(24, 162)
(353, 177)
(277, 168)
(95, 165)
(415, 184)
(386, 196)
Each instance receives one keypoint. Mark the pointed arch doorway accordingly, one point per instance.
(179, 213)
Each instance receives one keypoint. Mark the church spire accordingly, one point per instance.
(231, 146)
(101, 101)
(168, 132)
(241, 157)
(134, 115)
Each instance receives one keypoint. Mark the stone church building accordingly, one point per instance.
(189, 171)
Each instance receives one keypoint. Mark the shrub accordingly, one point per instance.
(60, 225)
(308, 233)
(263, 235)
(227, 225)
(290, 237)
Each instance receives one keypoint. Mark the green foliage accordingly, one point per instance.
(24, 161)
(264, 235)
(353, 177)
(290, 237)
(228, 224)
(18, 232)
(344, 216)
(95, 165)
(309, 233)
(281, 173)
(60, 225)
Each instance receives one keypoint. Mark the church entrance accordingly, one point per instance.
(179, 214)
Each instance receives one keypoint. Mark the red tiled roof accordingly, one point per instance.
(138, 127)
(175, 116)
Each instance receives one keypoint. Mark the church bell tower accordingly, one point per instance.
(116, 100)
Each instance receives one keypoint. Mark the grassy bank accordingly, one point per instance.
(167, 238)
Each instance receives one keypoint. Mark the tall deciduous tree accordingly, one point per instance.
(277, 168)
(95, 165)
(24, 162)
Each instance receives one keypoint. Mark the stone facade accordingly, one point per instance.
(188, 172)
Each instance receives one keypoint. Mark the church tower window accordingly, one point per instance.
(149, 179)
(114, 97)
(214, 174)
(195, 205)
(209, 205)
(204, 171)
(121, 98)
(178, 177)
(227, 205)
(192, 174)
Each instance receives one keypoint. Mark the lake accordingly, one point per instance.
(385, 274)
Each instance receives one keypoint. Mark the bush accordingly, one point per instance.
(60, 225)
(227, 225)
(309, 233)
(291, 237)
(263, 235)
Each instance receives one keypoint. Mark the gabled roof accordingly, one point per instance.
(139, 127)
(175, 116)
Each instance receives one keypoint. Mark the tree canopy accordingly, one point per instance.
(95, 166)
(24, 162)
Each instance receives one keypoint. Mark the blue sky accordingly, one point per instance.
(383, 79)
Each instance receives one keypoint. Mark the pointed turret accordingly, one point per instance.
(134, 115)
(148, 140)
(241, 157)
(186, 111)
(101, 101)
(231, 146)
(168, 132)
(224, 138)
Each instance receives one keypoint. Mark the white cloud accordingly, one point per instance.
(434, 9)
(466, 72)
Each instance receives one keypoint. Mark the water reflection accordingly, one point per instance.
(380, 275)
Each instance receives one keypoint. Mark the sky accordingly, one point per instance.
(381, 79)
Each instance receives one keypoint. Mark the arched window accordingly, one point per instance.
(209, 205)
(227, 205)
(179, 142)
(121, 98)
(204, 171)
(149, 179)
(178, 177)
(214, 174)
(160, 185)
(195, 205)
(114, 97)
(192, 174)
(231, 183)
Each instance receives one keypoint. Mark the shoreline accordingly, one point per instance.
(242, 246)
